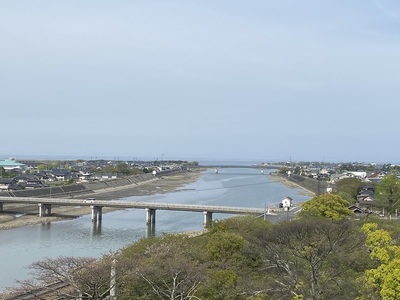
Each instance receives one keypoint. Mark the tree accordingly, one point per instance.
(350, 186)
(122, 168)
(388, 193)
(220, 285)
(309, 258)
(222, 246)
(168, 268)
(234, 259)
(84, 277)
(384, 279)
(42, 167)
(328, 206)
(283, 170)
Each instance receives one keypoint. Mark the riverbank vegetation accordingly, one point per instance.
(324, 254)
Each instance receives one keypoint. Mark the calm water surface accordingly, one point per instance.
(231, 187)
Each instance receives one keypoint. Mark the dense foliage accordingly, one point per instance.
(248, 258)
(349, 188)
(388, 193)
(330, 206)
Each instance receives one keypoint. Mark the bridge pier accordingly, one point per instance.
(96, 227)
(1, 206)
(44, 209)
(97, 213)
(150, 230)
(207, 219)
(150, 216)
(150, 222)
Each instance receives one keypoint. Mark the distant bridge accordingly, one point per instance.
(45, 205)
(238, 166)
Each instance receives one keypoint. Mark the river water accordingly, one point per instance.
(229, 187)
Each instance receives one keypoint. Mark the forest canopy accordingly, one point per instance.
(245, 258)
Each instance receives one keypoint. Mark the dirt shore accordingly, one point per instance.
(292, 185)
(25, 215)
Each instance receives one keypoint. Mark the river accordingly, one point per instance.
(245, 187)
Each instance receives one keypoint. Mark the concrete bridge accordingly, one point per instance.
(263, 166)
(45, 205)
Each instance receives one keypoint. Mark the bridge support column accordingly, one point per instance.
(150, 216)
(96, 227)
(150, 222)
(207, 219)
(97, 213)
(1, 206)
(150, 230)
(44, 210)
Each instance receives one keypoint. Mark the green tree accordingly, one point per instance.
(122, 168)
(42, 167)
(234, 259)
(283, 170)
(5, 174)
(219, 285)
(328, 206)
(224, 246)
(350, 186)
(384, 279)
(244, 226)
(388, 193)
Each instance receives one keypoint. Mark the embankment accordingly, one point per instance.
(82, 189)
(311, 185)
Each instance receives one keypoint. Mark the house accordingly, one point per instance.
(26, 181)
(359, 175)
(42, 175)
(376, 176)
(336, 177)
(368, 187)
(360, 211)
(85, 176)
(31, 164)
(366, 196)
(59, 175)
(5, 183)
(287, 202)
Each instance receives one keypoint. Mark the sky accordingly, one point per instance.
(199, 79)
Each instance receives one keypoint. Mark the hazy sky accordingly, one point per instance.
(256, 79)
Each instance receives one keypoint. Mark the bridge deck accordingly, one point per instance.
(140, 205)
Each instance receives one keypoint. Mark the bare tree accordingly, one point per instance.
(167, 270)
(310, 257)
(70, 277)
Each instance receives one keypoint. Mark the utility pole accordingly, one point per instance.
(113, 281)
